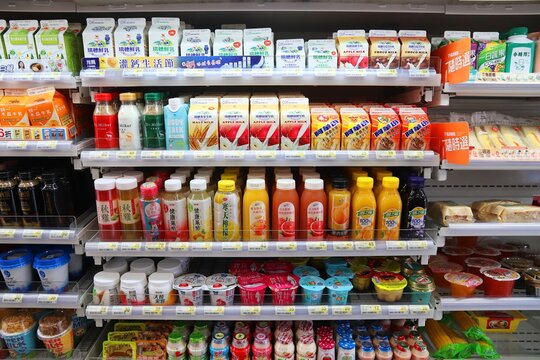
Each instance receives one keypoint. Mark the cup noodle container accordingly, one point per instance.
(19, 333)
(52, 267)
(221, 287)
(284, 287)
(499, 281)
(56, 331)
(252, 287)
(462, 284)
(190, 289)
(16, 267)
(312, 290)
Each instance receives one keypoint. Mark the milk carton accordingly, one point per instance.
(98, 37)
(54, 41)
(234, 123)
(290, 54)
(19, 39)
(355, 128)
(130, 37)
(353, 49)
(13, 108)
(76, 29)
(325, 129)
(294, 113)
(264, 123)
(228, 43)
(260, 42)
(203, 123)
(322, 54)
(164, 37)
(196, 42)
(3, 26)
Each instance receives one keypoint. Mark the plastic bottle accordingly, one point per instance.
(199, 204)
(326, 349)
(339, 207)
(380, 174)
(129, 122)
(519, 51)
(284, 347)
(219, 348)
(138, 175)
(152, 219)
(240, 348)
(174, 207)
(306, 349)
(262, 347)
(363, 210)
(54, 207)
(129, 206)
(354, 179)
(197, 346)
(313, 205)
(105, 122)
(160, 289)
(10, 205)
(176, 124)
(153, 122)
(227, 220)
(285, 210)
(415, 209)
(176, 346)
(384, 351)
(366, 351)
(107, 210)
(30, 198)
(256, 213)
(203, 328)
(389, 210)
(346, 349)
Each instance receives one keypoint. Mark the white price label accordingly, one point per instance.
(286, 246)
(370, 309)
(7, 233)
(121, 310)
(17, 145)
(47, 299)
(186, 310)
(262, 72)
(396, 245)
(201, 246)
(398, 310)
(12, 298)
(355, 72)
(108, 246)
(365, 245)
(214, 310)
(418, 73)
(133, 73)
(93, 73)
(179, 246)
(193, 72)
(126, 155)
(328, 72)
(292, 72)
(166, 72)
(51, 76)
(265, 155)
(250, 310)
(325, 155)
(386, 72)
(285, 310)
(93, 310)
(59, 234)
(317, 245)
(99, 155)
(295, 154)
(321, 310)
(204, 155)
(150, 154)
(258, 246)
(231, 246)
(413, 155)
(22, 76)
(341, 310)
(234, 155)
(173, 155)
(343, 245)
(385, 154)
(47, 145)
(358, 154)
(419, 309)
(417, 245)
(152, 310)
(156, 246)
(32, 234)
(131, 246)
(231, 72)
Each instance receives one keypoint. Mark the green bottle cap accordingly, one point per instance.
(153, 96)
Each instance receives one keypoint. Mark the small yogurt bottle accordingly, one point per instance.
(16, 267)
(118, 265)
(106, 288)
(133, 286)
(52, 267)
(144, 265)
(160, 289)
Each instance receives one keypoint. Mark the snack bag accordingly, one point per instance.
(203, 123)
(119, 350)
(355, 129)
(131, 326)
(385, 129)
(152, 349)
(294, 123)
(384, 51)
(353, 49)
(123, 335)
(415, 129)
(415, 49)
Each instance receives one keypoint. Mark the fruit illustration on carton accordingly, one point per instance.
(352, 49)
(295, 134)
(234, 123)
(264, 123)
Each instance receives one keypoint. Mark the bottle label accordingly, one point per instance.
(107, 212)
(365, 223)
(130, 137)
(258, 223)
(175, 218)
(129, 211)
(197, 357)
(346, 354)
(306, 357)
(286, 221)
(417, 218)
(152, 223)
(315, 221)
(106, 131)
(200, 219)
(340, 207)
(227, 217)
(6, 203)
(520, 60)
(154, 131)
(105, 297)
(390, 227)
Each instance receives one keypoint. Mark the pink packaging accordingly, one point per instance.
(277, 267)
(240, 266)
(284, 287)
(252, 287)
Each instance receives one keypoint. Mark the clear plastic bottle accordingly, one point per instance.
(197, 346)
(176, 346)
(129, 208)
(152, 219)
(174, 206)
(105, 122)
(53, 205)
(153, 122)
(219, 348)
(129, 122)
(227, 221)
(199, 211)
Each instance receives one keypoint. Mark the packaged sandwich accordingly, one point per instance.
(514, 213)
(448, 212)
(481, 209)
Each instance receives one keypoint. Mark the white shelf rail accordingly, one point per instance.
(44, 148)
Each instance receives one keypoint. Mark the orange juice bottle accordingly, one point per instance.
(363, 210)
(285, 210)
(256, 211)
(339, 207)
(389, 210)
(354, 176)
(313, 210)
(379, 176)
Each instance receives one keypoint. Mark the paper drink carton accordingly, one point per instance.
(295, 132)
(322, 54)
(290, 54)
(355, 129)
(131, 37)
(385, 49)
(13, 108)
(260, 42)
(325, 129)
(415, 49)
(228, 42)
(415, 129)
(264, 123)
(203, 123)
(98, 37)
(3, 26)
(234, 123)
(164, 37)
(48, 107)
(385, 129)
(196, 42)
(19, 39)
(56, 42)
(353, 49)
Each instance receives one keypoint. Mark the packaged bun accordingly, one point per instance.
(448, 212)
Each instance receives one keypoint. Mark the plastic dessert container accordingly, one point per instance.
(457, 254)
(239, 266)
(252, 287)
(338, 290)
(221, 287)
(190, 289)
(362, 277)
(56, 331)
(16, 267)
(277, 267)
(312, 290)
(506, 250)
(340, 271)
(438, 269)
(302, 271)
(474, 264)
(499, 281)
(389, 286)
(421, 287)
(462, 284)
(532, 281)
(487, 252)
(19, 332)
(283, 287)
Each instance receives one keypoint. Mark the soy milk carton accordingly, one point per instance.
(131, 37)
(325, 129)
(264, 123)
(260, 42)
(353, 49)
(54, 41)
(203, 123)
(196, 42)
(234, 123)
(290, 54)
(3, 26)
(294, 113)
(228, 42)
(19, 39)
(164, 37)
(98, 37)
(321, 54)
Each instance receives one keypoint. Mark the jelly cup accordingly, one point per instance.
(338, 290)
(532, 281)
(252, 287)
(462, 284)
(362, 277)
(239, 266)
(506, 250)
(340, 271)
(334, 262)
(487, 252)
(438, 257)
(389, 286)
(499, 281)
(53, 270)
(421, 287)
(385, 265)
(312, 289)
(221, 287)
(16, 267)
(457, 254)
(190, 289)
(277, 267)
(474, 264)
(302, 271)
(438, 269)
(356, 261)
(283, 287)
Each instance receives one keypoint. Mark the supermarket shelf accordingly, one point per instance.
(256, 77)
(493, 89)
(486, 164)
(519, 301)
(45, 148)
(114, 158)
(522, 344)
(491, 229)
(30, 79)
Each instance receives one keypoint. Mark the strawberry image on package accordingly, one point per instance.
(284, 287)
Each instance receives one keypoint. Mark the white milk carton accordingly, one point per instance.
(19, 39)
(164, 37)
(321, 54)
(260, 42)
(228, 42)
(3, 26)
(98, 37)
(56, 42)
(290, 54)
(131, 37)
(196, 42)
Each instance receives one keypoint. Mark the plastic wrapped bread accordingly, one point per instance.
(473, 141)
(481, 209)
(513, 136)
(495, 136)
(483, 138)
(532, 136)
(514, 213)
(448, 212)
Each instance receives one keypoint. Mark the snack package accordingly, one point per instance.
(353, 49)
(481, 209)
(290, 54)
(415, 129)
(234, 123)
(322, 54)
(55, 42)
(384, 50)
(13, 108)
(228, 42)
(123, 335)
(415, 49)
(196, 42)
(113, 350)
(203, 123)
(325, 129)
(19, 40)
(260, 42)
(130, 326)
(164, 37)
(98, 37)
(294, 121)
(385, 129)
(152, 349)
(448, 212)
(48, 107)
(355, 129)
(490, 52)
(264, 123)
(131, 37)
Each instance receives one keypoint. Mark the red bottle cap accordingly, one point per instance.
(149, 189)
(103, 97)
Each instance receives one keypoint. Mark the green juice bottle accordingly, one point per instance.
(153, 122)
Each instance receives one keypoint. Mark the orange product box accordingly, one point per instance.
(13, 108)
(355, 129)
(385, 129)
(415, 129)
(325, 129)
(48, 107)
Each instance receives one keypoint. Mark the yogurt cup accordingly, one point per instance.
(338, 290)
(190, 289)
(239, 266)
(499, 281)
(143, 265)
(340, 271)
(532, 281)
(302, 271)
(52, 267)
(334, 262)
(412, 268)
(438, 269)
(16, 267)
(118, 265)
(174, 266)
(221, 287)
(252, 287)
(56, 331)
(312, 289)
(362, 277)
(19, 332)
(462, 284)
(389, 286)
(277, 267)
(457, 254)
(421, 287)
(487, 252)
(283, 287)
(474, 264)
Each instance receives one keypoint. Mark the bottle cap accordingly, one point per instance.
(204, 177)
(26, 175)
(178, 177)
(364, 182)
(518, 31)
(382, 174)
(226, 185)
(286, 184)
(226, 176)
(128, 96)
(99, 184)
(173, 185)
(175, 336)
(149, 189)
(314, 184)
(255, 184)
(126, 183)
(139, 175)
(153, 96)
(197, 185)
(390, 182)
(156, 180)
(339, 183)
(103, 97)
(416, 182)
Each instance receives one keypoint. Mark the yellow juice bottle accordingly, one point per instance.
(339, 208)
(256, 211)
(363, 210)
(199, 203)
(227, 222)
(354, 176)
(389, 210)
(379, 176)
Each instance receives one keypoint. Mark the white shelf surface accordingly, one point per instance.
(487, 164)
(44, 148)
(519, 301)
(257, 77)
(30, 79)
(493, 89)
(491, 229)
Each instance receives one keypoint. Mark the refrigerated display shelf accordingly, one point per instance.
(479, 302)
(487, 164)
(26, 80)
(44, 148)
(493, 89)
(490, 229)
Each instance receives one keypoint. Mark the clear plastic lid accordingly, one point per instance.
(18, 322)
(54, 323)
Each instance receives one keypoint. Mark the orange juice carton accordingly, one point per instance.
(48, 107)
(294, 114)
(98, 37)
(131, 37)
(260, 42)
(13, 108)
(164, 37)
(203, 123)
(355, 129)
(228, 42)
(384, 50)
(3, 27)
(385, 129)
(234, 123)
(415, 129)
(415, 49)
(353, 49)
(322, 54)
(325, 129)
(196, 42)
(264, 123)
(19, 39)
(290, 54)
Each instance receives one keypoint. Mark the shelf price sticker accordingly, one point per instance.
(121, 310)
(59, 234)
(286, 246)
(150, 155)
(131, 246)
(317, 245)
(108, 246)
(186, 310)
(133, 73)
(99, 155)
(152, 310)
(231, 72)
(413, 155)
(341, 310)
(258, 246)
(343, 245)
(170, 72)
(387, 73)
(173, 155)
(7, 233)
(325, 155)
(214, 310)
(355, 72)
(179, 246)
(17, 145)
(418, 73)
(320, 310)
(204, 155)
(100, 73)
(398, 310)
(295, 155)
(12, 298)
(385, 154)
(396, 245)
(22, 76)
(234, 155)
(262, 72)
(325, 72)
(419, 309)
(265, 155)
(50, 76)
(32, 234)
(231, 246)
(156, 246)
(201, 246)
(292, 72)
(417, 245)
(47, 145)
(47, 299)
(194, 72)
(96, 310)
(250, 310)
(285, 310)
(365, 245)
(126, 155)
(358, 154)
(370, 309)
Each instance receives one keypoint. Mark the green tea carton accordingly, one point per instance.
(76, 28)
(164, 37)
(98, 38)
(3, 26)
(19, 39)
(55, 43)
(131, 37)
(490, 52)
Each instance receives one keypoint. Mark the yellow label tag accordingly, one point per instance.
(317, 245)
(265, 155)
(201, 246)
(285, 310)
(47, 145)
(365, 245)
(417, 244)
(156, 246)
(7, 233)
(32, 234)
(129, 246)
(193, 72)
(186, 310)
(385, 154)
(325, 155)
(398, 309)
(295, 154)
(234, 155)
(214, 310)
(318, 310)
(343, 245)
(341, 310)
(231, 246)
(99, 155)
(204, 155)
(126, 155)
(133, 73)
(396, 245)
(292, 72)
(250, 310)
(93, 73)
(370, 309)
(47, 298)
(17, 145)
(59, 234)
(179, 246)
(258, 246)
(419, 309)
(354, 72)
(121, 310)
(386, 72)
(413, 155)
(231, 72)
(358, 154)
(108, 246)
(151, 155)
(93, 310)
(12, 298)
(286, 246)
(262, 72)
(173, 155)
(152, 310)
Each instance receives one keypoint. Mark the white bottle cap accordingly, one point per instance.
(132, 279)
(307, 176)
(170, 266)
(173, 185)
(113, 175)
(118, 265)
(255, 184)
(161, 279)
(286, 184)
(106, 279)
(314, 184)
(139, 175)
(144, 265)
(197, 185)
(104, 184)
(175, 102)
(180, 177)
(126, 183)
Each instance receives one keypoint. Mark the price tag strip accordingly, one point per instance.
(32, 234)
(258, 246)
(396, 245)
(179, 246)
(286, 246)
(365, 245)
(151, 155)
(250, 310)
(316, 245)
(59, 234)
(173, 155)
(93, 310)
(419, 309)
(108, 246)
(325, 155)
(122, 310)
(12, 298)
(370, 309)
(152, 310)
(319, 310)
(48, 299)
(156, 246)
(385, 154)
(126, 155)
(417, 245)
(201, 246)
(186, 310)
(343, 246)
(265, 155)
(398, 310)
(231, 246)
(358, 154)
(131, 247)
(7, 233)
(285, 310)
(341, 310)
(214, 310)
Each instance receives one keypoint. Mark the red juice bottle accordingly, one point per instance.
(107, 209)
(152, 219)
(105, 122)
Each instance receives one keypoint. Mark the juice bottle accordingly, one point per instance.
(153, 123)
(256, 211)
(129, 122)
(129, 208)
(379, 176)
(339, 208)
(175, 218)
(240, 348)
(10, 206)
(363, 210)
(105, 122)
(355, 175)
(415, 208)
(389, 210)
(227, 212)
(152, 219)
(313, 210)
(30, 199)
(237, 182)
(285, 210)
(199, 204)
(107, 209)
(303, 178)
